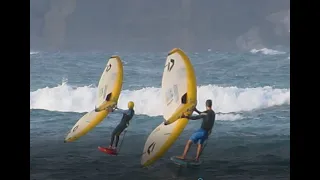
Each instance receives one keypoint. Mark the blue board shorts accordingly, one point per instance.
(199, 136)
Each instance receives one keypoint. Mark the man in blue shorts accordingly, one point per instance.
(208, 118)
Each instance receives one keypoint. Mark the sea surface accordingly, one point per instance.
(250, 140)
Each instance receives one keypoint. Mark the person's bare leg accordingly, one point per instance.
(198, 151)
(186, 149)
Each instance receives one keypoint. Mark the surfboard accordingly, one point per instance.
(108, 151)
(108, 93)
(186, 162)
(179, 94)
(113, 151)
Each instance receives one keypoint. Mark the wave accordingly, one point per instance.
(266, 51)
(66, 98)
(33, 52)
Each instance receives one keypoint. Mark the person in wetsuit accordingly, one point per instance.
(201, 135)
(124, 123)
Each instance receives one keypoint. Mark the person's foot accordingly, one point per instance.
(180, 157)
(196, 159)
(110, 147)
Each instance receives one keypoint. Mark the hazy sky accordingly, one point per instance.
(146, 25)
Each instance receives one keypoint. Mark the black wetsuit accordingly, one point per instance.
(124, 123)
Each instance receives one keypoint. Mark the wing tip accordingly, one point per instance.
(174, 50)
(115, 56)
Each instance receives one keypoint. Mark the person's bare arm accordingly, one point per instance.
(196, 117)
(197, 111)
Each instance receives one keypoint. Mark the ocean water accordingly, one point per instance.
(251, 140)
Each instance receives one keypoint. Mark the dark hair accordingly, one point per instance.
(209, 103)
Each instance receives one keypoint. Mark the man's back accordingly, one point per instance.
(208, 117)
(127, 116)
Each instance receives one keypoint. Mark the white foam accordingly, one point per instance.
(33, 52)
(230, 117)
(65, 98)
(267, 51)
